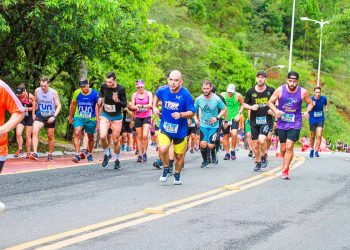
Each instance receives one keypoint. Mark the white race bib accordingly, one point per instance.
(288, 118)
(109, 108)
(318, 114)
(229, 123)
(45, 113)
(142, 109)
(261, 120)
(86, 115)
(170, 127)
(127, 119)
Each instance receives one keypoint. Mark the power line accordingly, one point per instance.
(341, 76)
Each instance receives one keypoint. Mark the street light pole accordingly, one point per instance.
(321, 23)
(291, 39)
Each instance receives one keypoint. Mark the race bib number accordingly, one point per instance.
(288, 117)
(170, 127)
(127, 119)
(192, 125)
(260, 120)
(318, 114)
(229, 123)
(45, 113)
(142, 109)
(86, 115)
(109, 108)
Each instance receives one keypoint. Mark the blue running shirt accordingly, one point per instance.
(209, 109)
(317, 113)
(179, 102)
(86, 104)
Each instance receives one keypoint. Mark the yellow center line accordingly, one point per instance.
(142, 217)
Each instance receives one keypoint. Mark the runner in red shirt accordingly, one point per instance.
(8, 102)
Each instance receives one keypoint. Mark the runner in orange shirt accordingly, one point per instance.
(8, 102)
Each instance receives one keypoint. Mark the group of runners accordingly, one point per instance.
(171, 116)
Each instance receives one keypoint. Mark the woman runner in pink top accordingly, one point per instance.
(141, 102)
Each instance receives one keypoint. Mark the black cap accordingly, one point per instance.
(19, 91)
(213, 89)
(293, 75)
(261, 73)
(83, 83)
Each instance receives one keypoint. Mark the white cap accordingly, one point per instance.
(231, 88)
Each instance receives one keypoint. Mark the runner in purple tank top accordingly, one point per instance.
(289, 116)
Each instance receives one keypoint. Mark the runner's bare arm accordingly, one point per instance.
(155, 102)
(35, 103)
(15, 118)
(72, 108)
(310, 105)
(58, 104)
(133, 102)
(150, 98)
(275, 96)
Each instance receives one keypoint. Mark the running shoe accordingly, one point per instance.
(192, 151)
(250, 154)
(89, 158)
(136, 152)
(227, 157)
(28, 155)
(311, 153)
(122, 148)
(205, 164)
(285, 175)
(83, 154)
(76, 158)
(139, 158)
(165, 175)
(316, 154)
(177, 180)
(50, 157)
(106, 159)
(18, 153)
(128, 149)
(34, 156)
(157, 164)
(233, 155)
(117, 164)
(144, 157)
(264, 161)
(257, 166)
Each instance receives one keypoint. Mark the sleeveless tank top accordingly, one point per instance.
(46, 103)
(232, 106)
(142, 112)
(26, 103)
(290, 104)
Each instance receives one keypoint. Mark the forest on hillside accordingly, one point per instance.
(225, 41)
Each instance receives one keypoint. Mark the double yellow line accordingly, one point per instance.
(148, 214)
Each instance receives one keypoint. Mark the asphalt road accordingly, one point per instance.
(105, 207)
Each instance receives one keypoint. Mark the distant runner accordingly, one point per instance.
(26, 99)
(46, 107)
(141, 102)
(261, 123)
(234, 103)
(177, 106)
(290, 98)
(209, 105)
(112, 101)
(83, 113)
(316, 120)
